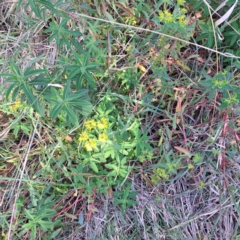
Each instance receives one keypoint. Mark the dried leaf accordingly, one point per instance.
(198, 15)
(167, 46)
(179, 105)
(110, 193)
(68, 139)
(226, 15)
(70, 215)
(141, 67)
(183, 150)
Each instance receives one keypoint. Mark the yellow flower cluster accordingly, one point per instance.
(90, 144)
(158, 175)
(83, 136)
(145, 155)
(90, 124)
(17, 105)
(180, 2)
(102, 124)
(88, 136)
(103, 137)
(166, 16)
(182, 21)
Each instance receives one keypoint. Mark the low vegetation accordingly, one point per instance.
(119, 119)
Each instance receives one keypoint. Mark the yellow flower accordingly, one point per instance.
(161, 16)
(180, 2)
(90, 124)
(17, 104)
(190, 166)
(201, 184)
(83, 136)
(238, 122)
(102, 123)
(167, 13)
(103, 137)
(90, 145)
(149, 156)
(182, 21)
(141, 158)
(168, 16)
(184, 10)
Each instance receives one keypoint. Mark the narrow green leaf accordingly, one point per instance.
(45, 225)
(15, 93)
(27, 225)
(29, 94)
(71, 115)
(10, 88)
(56, 110)
(90, 80)
(30, 72)
(49, 6)
(39, 81)
(67, 90)
(34, 231)
(55, 233)
(28, 214)
(35, 8)
(74, 72)
(93, 166)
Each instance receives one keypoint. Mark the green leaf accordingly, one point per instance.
(55, 233)
(28, 93)
(49, 6)
(123, 173)
(14, 69)
(33, 100)
(10, 88)
(111, 166)
(28, 214)
(39, 81)
(71, 115)
(15, 93)
(93, 166)
(35, 8)
(34, 231)
(123, 161)
(56, 110)
(30, 72)
(27, 225)
(45, 225)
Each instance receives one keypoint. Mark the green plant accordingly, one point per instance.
(40, 217)
(125, 198)
(222, 83)
(173, 21)
(20, 85)
(165, 168)
(108, 143)
(62, 35)
(39, 7)
(207, 34)
(97, 94)
(72, 103)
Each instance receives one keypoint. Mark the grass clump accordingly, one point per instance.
(119, 121)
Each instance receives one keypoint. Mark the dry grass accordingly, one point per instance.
(178, 210)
